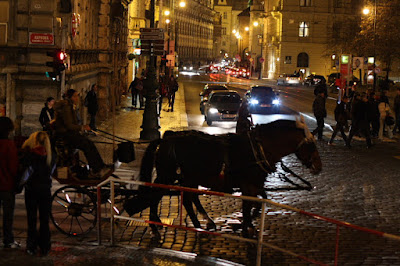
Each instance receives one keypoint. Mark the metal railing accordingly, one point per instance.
(259, 242)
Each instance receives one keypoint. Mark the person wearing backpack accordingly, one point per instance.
(37, 155)
(8, 175)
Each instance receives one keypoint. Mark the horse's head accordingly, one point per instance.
(306, 150)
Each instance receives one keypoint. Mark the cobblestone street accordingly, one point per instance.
(357, 185)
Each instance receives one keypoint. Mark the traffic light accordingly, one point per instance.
(57, 64)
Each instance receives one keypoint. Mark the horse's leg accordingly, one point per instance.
(202, 211)
(187, 202)
(247, 222)
(154, 216)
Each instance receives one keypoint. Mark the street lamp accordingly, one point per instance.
(366, 11)
(261, 37)
(182, 4)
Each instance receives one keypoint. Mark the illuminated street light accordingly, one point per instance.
(167, 21)
(255, 24)
(247, 29)
(167, 12)
(366, 11)
(234, 31)
(182, 4)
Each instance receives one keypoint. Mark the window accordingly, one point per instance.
(223, 31)
(225, 15)
(288, 59)
(302, 60)
(338, 3)
(304, 29)
(305, 2)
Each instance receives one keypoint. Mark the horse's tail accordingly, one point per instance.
(146, 170)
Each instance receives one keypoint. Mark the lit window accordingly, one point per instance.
(223, 31)
(304, 29)
(305, 2)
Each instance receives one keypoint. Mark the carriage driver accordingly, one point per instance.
(67, 127)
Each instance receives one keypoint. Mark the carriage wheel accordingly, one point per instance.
(74, 210)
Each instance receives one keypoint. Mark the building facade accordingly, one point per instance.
(297, 32)
(93, 33)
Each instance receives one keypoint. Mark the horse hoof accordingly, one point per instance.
(211, 226)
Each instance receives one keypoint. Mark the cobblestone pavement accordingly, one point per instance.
(357, 185)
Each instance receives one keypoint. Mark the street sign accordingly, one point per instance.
(262, 60)
(151, 30)
(155, 52)
(156, 42)
(41, 38)
(358, 62)
(152, 37)
(378, 70)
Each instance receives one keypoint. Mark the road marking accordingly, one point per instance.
(312, 118)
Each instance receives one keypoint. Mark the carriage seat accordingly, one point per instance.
(66, 155)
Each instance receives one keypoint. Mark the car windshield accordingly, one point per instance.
(225, 98)
(263, 91)
(216, 87)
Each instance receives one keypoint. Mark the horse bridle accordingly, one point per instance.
(258, 151)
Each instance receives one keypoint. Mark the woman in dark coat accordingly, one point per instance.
(37, 155)
(47, 114)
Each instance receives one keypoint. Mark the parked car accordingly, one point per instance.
(263, 99)
(208, 88)
(314, 80)
(243, 73)
(222, 106)
(286, 79)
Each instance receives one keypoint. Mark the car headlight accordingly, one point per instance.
(184, 68)
(191, 68)
(254, 101)
(276, 102)
(213, 110)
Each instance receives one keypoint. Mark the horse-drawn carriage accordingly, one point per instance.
(74, 205)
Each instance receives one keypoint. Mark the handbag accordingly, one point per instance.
(389, 120)
(22, 179)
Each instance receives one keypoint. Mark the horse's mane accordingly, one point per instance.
(192, 133)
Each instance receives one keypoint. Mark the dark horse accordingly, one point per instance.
(221, 163)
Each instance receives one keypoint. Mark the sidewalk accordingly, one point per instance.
(128, 121)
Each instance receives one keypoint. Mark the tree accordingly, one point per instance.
(380, 33)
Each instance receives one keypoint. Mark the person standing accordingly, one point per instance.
(341, 117)
(134, 91)
(384, 110)
(91, 103)
(244, 121)
(373, 114)
(37, 155)
(47, 114)
(140, 91)
(396, 109)
(360, 123)
(8, 173)
(172, 89)
(319, 113)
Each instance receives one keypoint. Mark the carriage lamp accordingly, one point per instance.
(213, 110)
(254, 101)
(276, 102)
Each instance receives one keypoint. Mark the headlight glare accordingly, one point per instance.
(213, 110)
(254, 101)
(276, 102)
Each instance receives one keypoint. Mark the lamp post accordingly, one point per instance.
(150, 123)
(366, 11)
(261, 41)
